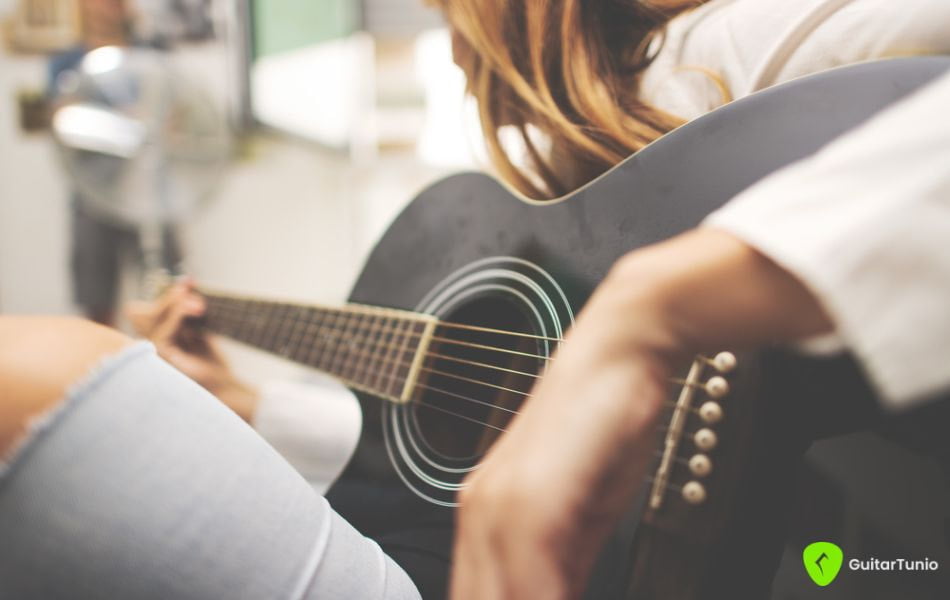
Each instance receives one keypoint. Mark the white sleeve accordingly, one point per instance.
(313, 424)
(865, 224)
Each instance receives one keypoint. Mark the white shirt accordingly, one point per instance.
(749, 45)
(314, 424)
(865, 225)
(752, 44)
(860, 223)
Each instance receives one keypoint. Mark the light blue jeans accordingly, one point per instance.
(142, 485)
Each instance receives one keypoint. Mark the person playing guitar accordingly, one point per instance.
(580, 443)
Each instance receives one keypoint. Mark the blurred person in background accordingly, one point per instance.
(101, 245)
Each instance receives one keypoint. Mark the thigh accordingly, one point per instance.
(142, 485)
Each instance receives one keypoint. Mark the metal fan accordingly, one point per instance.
(142, 146)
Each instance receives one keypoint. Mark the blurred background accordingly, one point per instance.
(261, 146)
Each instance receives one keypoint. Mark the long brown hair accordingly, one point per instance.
(568, 68)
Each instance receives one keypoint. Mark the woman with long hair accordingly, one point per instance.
(582, 85)
(568, 89)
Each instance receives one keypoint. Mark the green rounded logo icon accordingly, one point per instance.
(822, 562)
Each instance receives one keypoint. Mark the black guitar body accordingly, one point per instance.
(469, 250)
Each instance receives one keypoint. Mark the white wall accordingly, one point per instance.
(33, 204)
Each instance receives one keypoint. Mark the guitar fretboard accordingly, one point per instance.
(376, 350)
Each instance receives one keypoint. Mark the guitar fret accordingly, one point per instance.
(347, 345)
(312, 333)
(283, 329)
(321, 346)
(298, 318)
(342, 350)
(404, 359)
(351, 365)
(333, 341)
(267, 329)
(397, 353)
(389, 325)
(242, 327)
(371, 367)
(363, 353)
(372, 349)
(362, 347)
(235, 319)
(226, 320)
(256, 319)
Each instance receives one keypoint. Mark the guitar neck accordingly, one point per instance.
(371, 349)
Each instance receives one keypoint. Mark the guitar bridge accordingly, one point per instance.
(710, 412)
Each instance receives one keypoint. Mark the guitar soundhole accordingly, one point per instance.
(475, 377)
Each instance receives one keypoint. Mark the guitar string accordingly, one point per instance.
(491, 348)
(362, 353)
(438, 391)
(370, 355)
(481, 364)
(461, 397)
(445, 393)
(362, 326)
(323, 330)
(317, 338)
(421, 318)
(471, 380)
(366, 328)
(499, 331)
(294, 309)
(384, 361)
(467, 418)
(419, 401)
(658, 428)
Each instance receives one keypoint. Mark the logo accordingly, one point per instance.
(822, 562)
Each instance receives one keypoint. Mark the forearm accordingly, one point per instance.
(584, 438)
(865, 222)
(702, 291)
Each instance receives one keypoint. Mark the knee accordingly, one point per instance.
(40, 358)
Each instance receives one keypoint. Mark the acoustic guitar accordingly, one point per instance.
(466, 296)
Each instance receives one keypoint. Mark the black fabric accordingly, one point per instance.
(98, 248)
